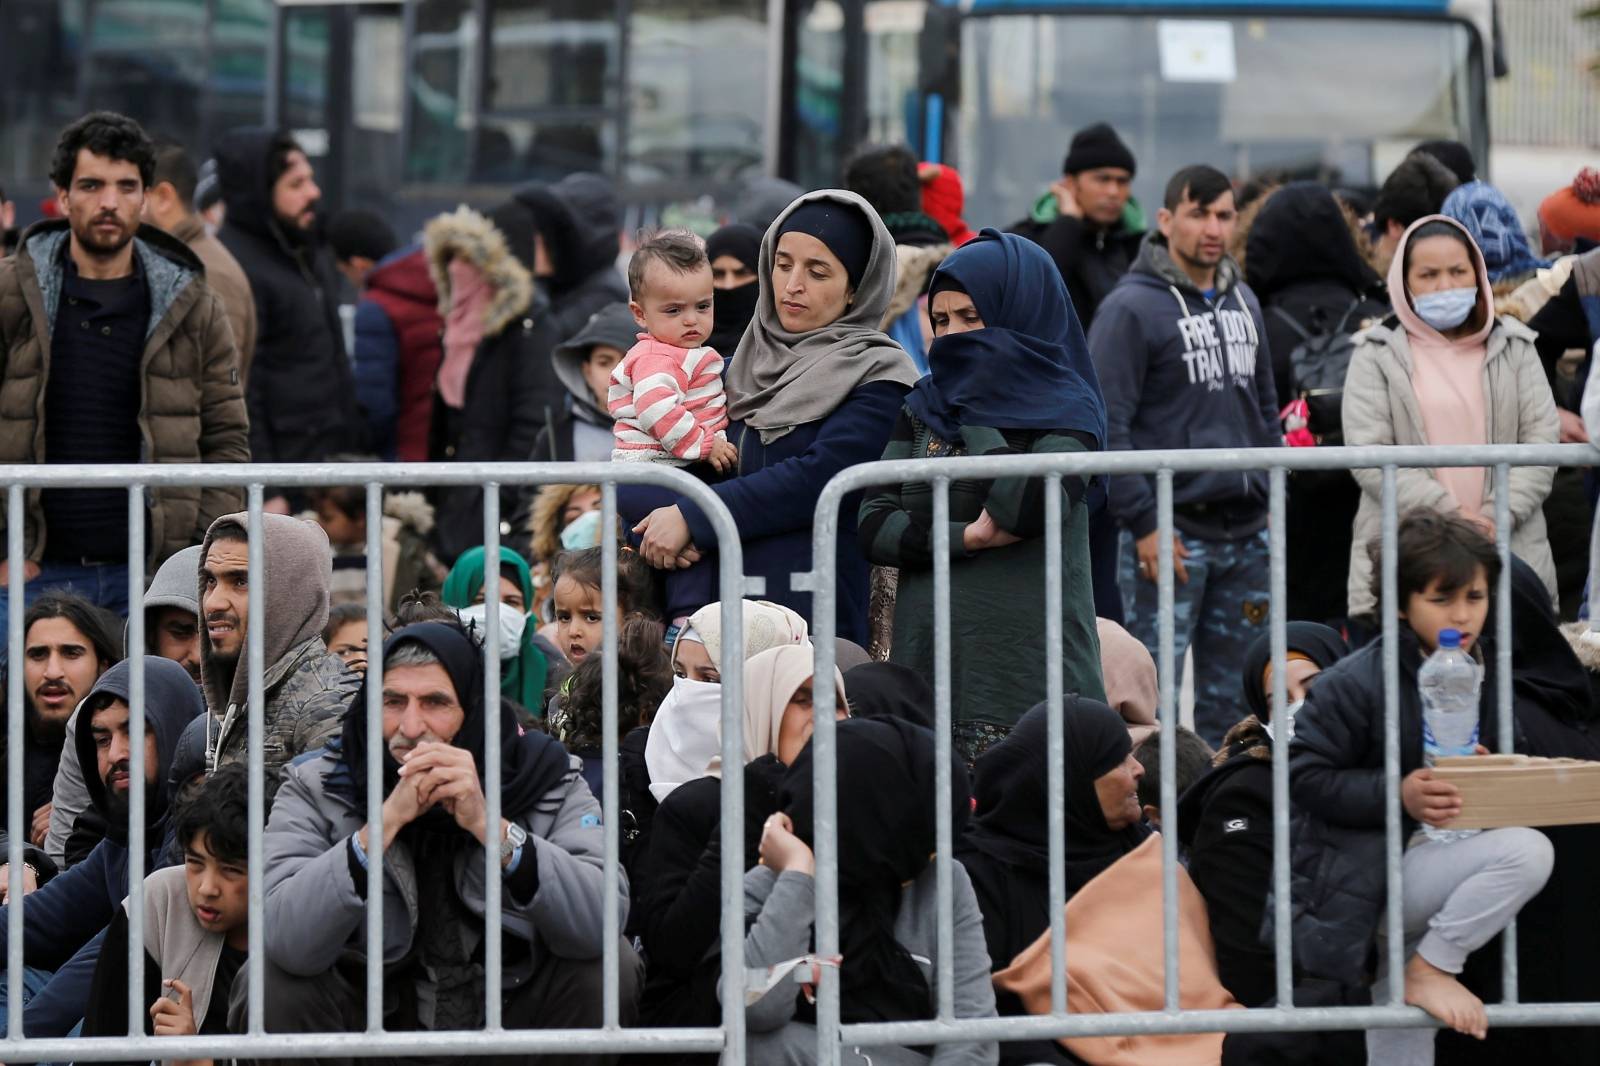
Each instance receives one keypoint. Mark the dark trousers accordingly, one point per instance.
(561, 994)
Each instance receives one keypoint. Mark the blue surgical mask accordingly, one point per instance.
(583, 532)
(1447, 308)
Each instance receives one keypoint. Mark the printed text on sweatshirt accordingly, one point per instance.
(668, 402)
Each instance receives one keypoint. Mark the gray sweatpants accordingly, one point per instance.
(1456, 898)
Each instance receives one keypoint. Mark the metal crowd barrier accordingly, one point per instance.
(1284, 1016)
(493, 1039)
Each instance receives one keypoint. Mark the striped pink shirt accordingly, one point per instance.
(667, 401)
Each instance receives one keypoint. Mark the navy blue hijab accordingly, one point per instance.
(1029, 367)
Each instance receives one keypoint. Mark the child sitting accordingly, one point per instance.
(580, 612)
(1456, 895)
(195, 924)
(1193, 760)
(644, 677)
(666, 395)
(408, 563)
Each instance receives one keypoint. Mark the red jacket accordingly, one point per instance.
(402, 288)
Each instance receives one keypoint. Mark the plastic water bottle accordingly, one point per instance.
(1448, 683)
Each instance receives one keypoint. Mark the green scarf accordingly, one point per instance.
(523, 678)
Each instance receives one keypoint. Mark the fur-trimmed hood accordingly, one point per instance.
(913, 266)
(411, 509)
(466, 232)
(1585, 644)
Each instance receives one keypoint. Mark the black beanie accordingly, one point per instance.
(1097, 146)
(840, 226)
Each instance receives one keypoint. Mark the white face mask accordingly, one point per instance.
(685, 736)
(512, 623)
(1288, 713)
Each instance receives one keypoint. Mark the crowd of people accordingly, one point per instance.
(814, 331)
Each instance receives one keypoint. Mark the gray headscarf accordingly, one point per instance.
(779, 380)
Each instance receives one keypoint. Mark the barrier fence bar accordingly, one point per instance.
(16, 597)
(138, 847)
(1503, 639)
(730, 1037)
(1055, 744)
(946, 938)
(611, 1009)
(1282, 731)
(492, 883)
(1169, 736)
(1394, 847)
(375, 752)
(255, 637)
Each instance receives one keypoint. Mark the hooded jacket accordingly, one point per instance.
(63, 922)
(305, 688)
(192, 408)
(173, 586)
(1183, 370)
(397, 354)
(302, 395)
(511, 385)
(1380, 407)
(582, 428)
(1091, 259)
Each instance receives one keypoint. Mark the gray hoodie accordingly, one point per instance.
(1183, 369)
(173, 586)
(583, 431)
(306, 687)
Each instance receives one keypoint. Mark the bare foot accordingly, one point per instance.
(1447, 999)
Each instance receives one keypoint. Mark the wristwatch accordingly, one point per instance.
(516, 836)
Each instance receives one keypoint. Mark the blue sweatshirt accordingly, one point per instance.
(1183, 370)
(773, 501)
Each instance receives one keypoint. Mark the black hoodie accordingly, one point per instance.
(301, 392)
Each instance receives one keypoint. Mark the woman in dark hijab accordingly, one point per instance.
(813, 388)
(888, 917)
(1007, 850)
(1009, 373)
(735, 252)
(889, 690)
(1225, 818)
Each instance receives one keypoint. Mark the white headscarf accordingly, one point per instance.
(770, 682)
(766, 625)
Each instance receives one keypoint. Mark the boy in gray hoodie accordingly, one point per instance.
(1181, 352)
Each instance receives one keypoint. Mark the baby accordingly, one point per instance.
(666, 394)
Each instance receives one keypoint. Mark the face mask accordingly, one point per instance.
(512, 623)
(1288, 713)
(1447, 309)
(583, 532)
(685, 736)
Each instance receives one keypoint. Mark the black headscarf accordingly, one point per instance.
(1544, 668)
(1029, 366)
(886, 838)
(841, 226)
(1300, 235)
(1324, 646)
(531, 764)
(889, 690)
(734, 308)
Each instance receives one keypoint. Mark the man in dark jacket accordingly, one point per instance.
(64, 921)
(1087, 220)
(115, 350)
(582, 429)
(550, 842)
(1180, 350)
(305, 687)
(398, 328)
(302, 392)
(1414, 189)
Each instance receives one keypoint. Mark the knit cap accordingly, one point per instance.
(1094, 147)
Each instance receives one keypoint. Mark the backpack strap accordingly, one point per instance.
(1289, 320)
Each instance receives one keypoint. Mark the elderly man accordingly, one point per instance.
(549, 839)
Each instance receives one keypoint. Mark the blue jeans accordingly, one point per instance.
(33, 979)
(102, 584)
(1222, 609)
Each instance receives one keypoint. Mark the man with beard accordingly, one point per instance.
(66, 647)
(301, 390)
(550, 843)
(115, 351)
(305, 688)
(172, 631)
(64, 921)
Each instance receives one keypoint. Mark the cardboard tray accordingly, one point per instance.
(1508, 790)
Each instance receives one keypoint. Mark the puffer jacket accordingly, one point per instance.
(193, 409)
(1380, 407)
(1338, 802)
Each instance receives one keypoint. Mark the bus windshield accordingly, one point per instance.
(1340, 99)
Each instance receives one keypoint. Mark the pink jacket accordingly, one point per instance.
(668, 401)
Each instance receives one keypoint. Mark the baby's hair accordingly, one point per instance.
(1194, 759)
(636, 587)
(644, 677)
(1433, 546)
(418, 606)
(340, 615)
(676, 249)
